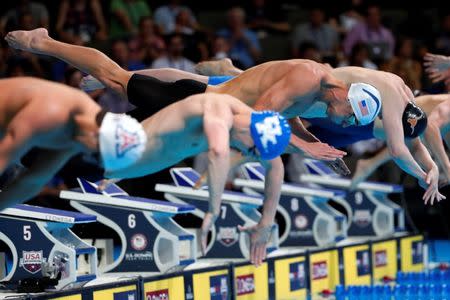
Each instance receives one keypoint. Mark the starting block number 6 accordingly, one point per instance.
(27, 232)
(131, 220)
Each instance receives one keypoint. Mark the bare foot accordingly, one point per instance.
(219, 67)
(27, 40)
(90, 84)
(363, 170)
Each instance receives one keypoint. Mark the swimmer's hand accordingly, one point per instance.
(208, 222)
(320, 151)
(339, 167)
(259, 237)
(434, 63)
(431, 185)
(105, 183)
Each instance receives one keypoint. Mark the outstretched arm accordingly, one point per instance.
(433, 140)
(217, 121)
(29, 183)
(260, 233)
(422, 155)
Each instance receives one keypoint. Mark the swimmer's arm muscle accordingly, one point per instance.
(217, 123)
(434, 141)
(397, 148)
(272, 189)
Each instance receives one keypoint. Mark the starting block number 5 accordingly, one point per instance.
(131, 220)
(27, 232)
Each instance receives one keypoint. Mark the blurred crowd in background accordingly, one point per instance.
(140, 34)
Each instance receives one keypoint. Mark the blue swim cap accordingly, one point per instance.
(270, 132)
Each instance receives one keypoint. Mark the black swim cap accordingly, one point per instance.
(414, 121)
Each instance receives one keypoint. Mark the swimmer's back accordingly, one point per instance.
(252, 83)
(46, 95)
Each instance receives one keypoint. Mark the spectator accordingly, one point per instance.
(120, 53)
(442, 40)
(11, 19)
(125, 16)
(244, 43)
(309, 50)
(165, 17)
(378, 38)
(184, 23)
(404, 65)
(359, 57)
(349, 17)
(81, 21)
(317, 31)
(266, 17)
(174, 57)
(220, 48)
(151, 45)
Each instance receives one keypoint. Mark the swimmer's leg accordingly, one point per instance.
(217, 67)
(365, 167)
(88, 60)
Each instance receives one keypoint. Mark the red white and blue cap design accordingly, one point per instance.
(122, 141)
(270, 132)
(365, 100)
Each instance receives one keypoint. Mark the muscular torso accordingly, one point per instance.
(252, 84)
(175, 133)
(46, 108)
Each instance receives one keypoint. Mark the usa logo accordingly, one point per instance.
(32, 261)
(227, 236)
(269, 129)
(125, 141)
(363, 108)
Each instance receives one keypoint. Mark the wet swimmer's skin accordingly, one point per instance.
(146, 93)
(214, 123)
(294, 87)
(396, 96)
(72, 123)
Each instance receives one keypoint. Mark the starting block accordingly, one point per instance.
(310, 221)
(370, 211)
(44, 249)
(151, 241)
(236, 208)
